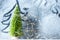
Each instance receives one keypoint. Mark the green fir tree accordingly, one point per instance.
(16, 23)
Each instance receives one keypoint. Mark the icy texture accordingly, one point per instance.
(46, 11)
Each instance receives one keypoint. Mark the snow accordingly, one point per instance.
(49, 23)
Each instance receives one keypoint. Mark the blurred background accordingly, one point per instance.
(46, 13)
